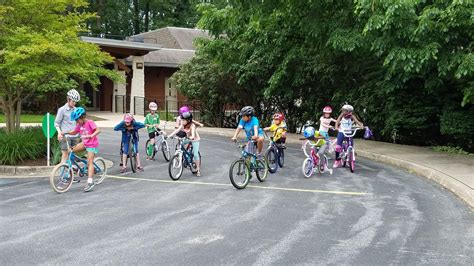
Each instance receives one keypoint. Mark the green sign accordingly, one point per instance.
(52, 129)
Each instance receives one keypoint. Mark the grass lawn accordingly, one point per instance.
(26, 118)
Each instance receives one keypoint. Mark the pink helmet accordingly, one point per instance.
(128, 118)
(327, 109)
(183, 109)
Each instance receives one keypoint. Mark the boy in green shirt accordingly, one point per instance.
(152, 121)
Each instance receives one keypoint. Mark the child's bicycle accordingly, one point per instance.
(241, 169)
(62, 176)
(313, 161)
(275, 155)
(161, 143)
(348, 151)
(182, 158)
(132, 153)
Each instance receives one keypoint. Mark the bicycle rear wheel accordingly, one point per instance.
(307, 167)
(151, 154)
(272, 160)
(261, 170)
(165, 148)
(175, 167)
(322, 162)
(239, 174)
(100, 170)
(61, 178)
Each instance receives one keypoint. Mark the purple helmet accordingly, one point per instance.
(183, 109)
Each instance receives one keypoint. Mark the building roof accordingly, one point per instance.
(172, 37)
(164, 57)
(122, 44)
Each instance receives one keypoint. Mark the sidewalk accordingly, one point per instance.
(454, 172)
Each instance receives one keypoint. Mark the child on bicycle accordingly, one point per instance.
(319, 140)
(88, 131)
(190, 131)
(129, 128)
(325, 122)
(250, 124)
(185, 109)
(344, 123)
(278, 128)
(152, 122)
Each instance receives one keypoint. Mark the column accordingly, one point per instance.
(138, 83)
(119, 89)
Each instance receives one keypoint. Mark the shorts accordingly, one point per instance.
(154, 133)
(93, 150)
(324, 134)
(72, 142)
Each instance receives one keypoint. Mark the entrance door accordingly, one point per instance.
(171, 95)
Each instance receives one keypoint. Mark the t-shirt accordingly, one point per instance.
(346, 124)
(249, 127)
(85, 129)
(63, 119)
(188, 132)
(321, 141)
(323, 122)
(152, 120)
(277, 130)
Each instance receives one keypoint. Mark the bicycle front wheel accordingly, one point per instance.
(261, 170)
(150, 154)
(100, 170)
(272, 160)
(307, 167)
(165, 148)
(133, 157)
(351, 161)
(239, 174)
(322, 164)
(175, 167)
(281, 158)
(61, 178)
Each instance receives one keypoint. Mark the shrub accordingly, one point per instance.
(450, 149)
(27, 143)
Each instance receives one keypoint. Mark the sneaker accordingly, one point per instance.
(123, 170)
(75, 181)
(198, 173)
(259, 156)
(89, 187)
(337, 163)
(330, 171)
(139, 168)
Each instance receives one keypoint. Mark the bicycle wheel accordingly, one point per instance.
(133, 157)
(307, 167)
(100, 170)
(175, 167)
(165, 148)
(322, 164)
(281, 158)
(61, 178)
(272, 160)
(239, 174)
(351, 161)
(193, 166)
(151, 154)
(261, 170)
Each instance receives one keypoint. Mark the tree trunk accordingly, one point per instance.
(18, 114)
(147, 15)
(136, 17)
(11, 116)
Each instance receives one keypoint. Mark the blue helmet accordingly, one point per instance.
(77, 113)
(309, 132)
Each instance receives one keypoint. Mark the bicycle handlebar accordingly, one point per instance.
(347, 132)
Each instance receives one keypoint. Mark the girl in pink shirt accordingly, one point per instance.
(325, 122)
(88, 132)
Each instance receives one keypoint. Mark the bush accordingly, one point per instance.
(26, 144)
(450, 149)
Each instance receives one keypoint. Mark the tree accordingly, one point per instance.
(41, 51)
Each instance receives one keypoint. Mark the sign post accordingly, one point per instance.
(48, 130)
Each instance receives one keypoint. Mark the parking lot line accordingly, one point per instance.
(349, 193)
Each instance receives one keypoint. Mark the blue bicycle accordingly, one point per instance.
(241, 169)
(62, 176)
(182, 158)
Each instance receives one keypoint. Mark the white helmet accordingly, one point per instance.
(153, 106)
(74, 95)
(347, 107)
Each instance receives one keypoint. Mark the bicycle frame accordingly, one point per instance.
(185, 151)
(246, 153)
(160, 138)
(73, 159)
(348, 142)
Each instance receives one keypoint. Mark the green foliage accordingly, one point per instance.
(450, 149)
(27, 143)
(25, 118)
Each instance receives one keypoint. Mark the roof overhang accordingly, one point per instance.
(122, 49)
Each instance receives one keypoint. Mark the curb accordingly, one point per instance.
(450, 183)
(32, 171)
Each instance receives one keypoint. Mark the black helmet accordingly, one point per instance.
(247, 110)
(187, 116)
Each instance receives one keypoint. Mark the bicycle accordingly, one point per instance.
(182, 158)
(132, 153)
(313, 161)
(246, 164)
(348, 151)
(161, 143)
(62, 176)
(275, 155)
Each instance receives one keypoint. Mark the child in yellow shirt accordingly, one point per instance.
(278, 128)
